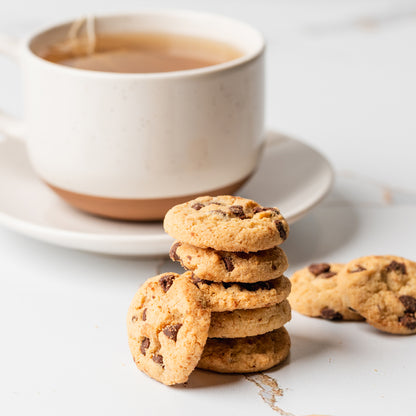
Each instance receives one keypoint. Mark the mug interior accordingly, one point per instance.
(202, 25)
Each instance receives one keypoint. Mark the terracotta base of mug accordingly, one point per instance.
(134, 209)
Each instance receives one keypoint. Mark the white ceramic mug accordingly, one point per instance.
(129, 146)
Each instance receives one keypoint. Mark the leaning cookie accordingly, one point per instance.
(315, 292)
(167, 325)
(226, 223)
(383, 290)
(225, 266)
(246, 355)
(249, 322)
(222, 297)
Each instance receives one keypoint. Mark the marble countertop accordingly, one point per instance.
(340, 77)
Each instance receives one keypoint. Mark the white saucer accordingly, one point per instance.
(291, 176)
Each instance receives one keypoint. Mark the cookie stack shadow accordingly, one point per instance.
(245, 289)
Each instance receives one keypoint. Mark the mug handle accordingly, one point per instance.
(9, 125)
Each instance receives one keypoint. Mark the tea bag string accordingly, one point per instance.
(76, 26)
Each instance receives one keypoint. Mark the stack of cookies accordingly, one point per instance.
(229, 245)
(226, 312)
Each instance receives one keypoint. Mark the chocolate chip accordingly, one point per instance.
(158, 359)
(144, 345)
(327, 275)
(216, 203)
(243, 255)
(166, 281)
(318, 268)
(275, 210)
(408, 320)
(409, 302)
(328, 313)
(352, 309)
(171, 331)
(358, 268)
(228, 263)
(172, 251)
(262, 209)
(274, 267)
(394, 266)
(144, 314)
(281, 229)
(197, 206)
(238, 211)
(134, 318)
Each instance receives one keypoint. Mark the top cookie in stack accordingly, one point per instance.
(230, 244)
(227, 223)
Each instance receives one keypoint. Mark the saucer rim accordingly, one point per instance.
(159, 242)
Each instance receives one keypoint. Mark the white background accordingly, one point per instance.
(341, 77)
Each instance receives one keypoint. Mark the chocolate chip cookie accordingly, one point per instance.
(246, 355)
(167, 325)
(224, 266)
(383, 290)
(249, 322)
(315, 292)
(224, 296)
(228, 223)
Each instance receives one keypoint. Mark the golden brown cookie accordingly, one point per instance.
(249, 322)
(246, 355)
(315, 292)
(167, 326)
(228, 223)
(225, 266)
(383, 290)
(221, 297)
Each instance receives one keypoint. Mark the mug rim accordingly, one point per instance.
(211, 69)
